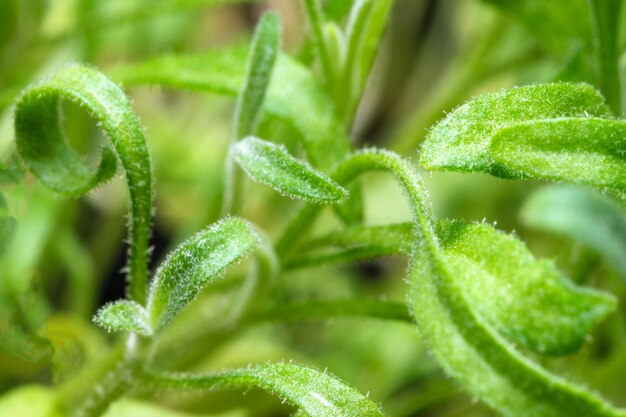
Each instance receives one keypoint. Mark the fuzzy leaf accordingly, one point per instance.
(585, 216)
(264, 51)
(194, 264)
(293, 96)
(588, 151)
(272, 165)
(124, 316)
(465, 345)
(317, 393)
(527, 300)
(460, 142)
(45, 152)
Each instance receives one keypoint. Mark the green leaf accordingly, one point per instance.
(589, 151)
(555, 131)
(135, 408)
(464, 344)
(317, 29)
(7, 228)
(528, 301)
(29, 401)
(45, 152)
(194, 264)
(27, 347)
(124, 316)
(272, 165)
(293, 96)
(11, 170)
(264, 51)
(317, 393)
(585, 216)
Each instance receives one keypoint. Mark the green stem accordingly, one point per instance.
(315, 18)
(605, 15)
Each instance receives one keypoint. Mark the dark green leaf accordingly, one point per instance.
(194, 264)
(317, 393)
(587, 217)
(124, 316)
(272, 165)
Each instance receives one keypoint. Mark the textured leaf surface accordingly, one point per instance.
(317, 393)
(580, 150)
(194, 264)
(124, 316)
(461, 141)
(45, 152)
(465, 345)
(526, 300)
(272, 165)
(587, 217)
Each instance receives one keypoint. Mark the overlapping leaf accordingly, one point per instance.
(587, 217)
(556, 131)
(272, 165)
(194, 264)
(316, 393)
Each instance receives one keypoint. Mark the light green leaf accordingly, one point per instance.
(460, 142)
(585, 216)
(194, 264)
(317, 393)
(272, 165)
(42, 146)
(587, 150)
(124, 316)
(526, 300)
(29, 401)
(264, 51)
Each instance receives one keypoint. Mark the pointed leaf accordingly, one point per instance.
(272, 165)
(585, 216)
(526, 300)
(317, 393)
(124, 316)
(194, 264)
(460, 142)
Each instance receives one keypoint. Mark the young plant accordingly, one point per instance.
(489, 313)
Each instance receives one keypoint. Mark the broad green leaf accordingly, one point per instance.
(194, 264)
(272, 165)
(527, 300)
(585, 216)
(465, 344)
(318, 394)
(293, 96)
(586, 150)
(264, 51)
(124, 316)
(460, 142)
(29, 401)
(45, 152)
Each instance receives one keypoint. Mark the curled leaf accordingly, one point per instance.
(194, 264)
(272, 165)
(316, 393)
(124, 316)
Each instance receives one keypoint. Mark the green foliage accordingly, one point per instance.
(272, 165)
(316, 393)
(194, 264)
(587, 217)
(512, 332)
